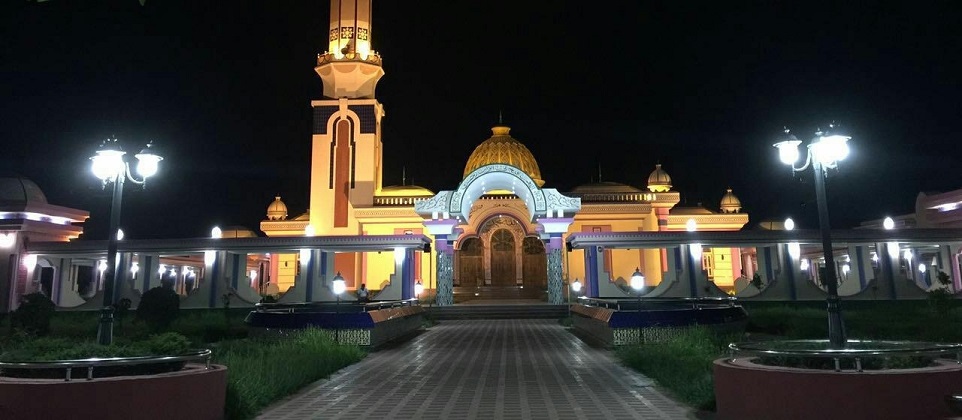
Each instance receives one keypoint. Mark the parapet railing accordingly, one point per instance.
(332, 306)
(644, 303)
(96, 362)
(856, 350)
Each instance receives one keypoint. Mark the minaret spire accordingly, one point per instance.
(404, 175)
(500, 117)
(349, 68)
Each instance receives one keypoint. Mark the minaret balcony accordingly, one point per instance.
(370, 58)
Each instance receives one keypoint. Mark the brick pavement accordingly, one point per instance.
(484, 369)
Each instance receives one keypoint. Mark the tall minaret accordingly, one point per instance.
(346, 151)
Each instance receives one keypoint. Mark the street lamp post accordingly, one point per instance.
(338, 287)
(111, 165)
(638, 284)
(576, 289)
(824, 152)
(418, 288)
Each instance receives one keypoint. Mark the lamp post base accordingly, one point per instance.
(105, 331)
(836, 325)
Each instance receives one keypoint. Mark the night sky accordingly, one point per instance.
(224, 89)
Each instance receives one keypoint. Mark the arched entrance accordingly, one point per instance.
(542, 214)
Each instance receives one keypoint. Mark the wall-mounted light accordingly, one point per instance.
(7, 240)
(888, 223)
(794, 250)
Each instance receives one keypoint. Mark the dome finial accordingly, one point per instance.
(500, 117)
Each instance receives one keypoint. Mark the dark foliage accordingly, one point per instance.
(158, 308)
(33, 314)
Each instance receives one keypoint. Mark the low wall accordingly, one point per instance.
(371, 328)
(745, 390)
(192, 393)
(611, 327)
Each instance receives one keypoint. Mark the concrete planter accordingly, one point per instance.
(745, 390)
(191, 393)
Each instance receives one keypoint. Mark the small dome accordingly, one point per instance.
(730, 203)
(405, 191)
(237, 232)
(277, 210)
(304, 216)
(17, 191)
(501, 148)
(659, 181)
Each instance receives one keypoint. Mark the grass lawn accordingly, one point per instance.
(683, 365)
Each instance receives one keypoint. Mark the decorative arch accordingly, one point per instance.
(540, 202)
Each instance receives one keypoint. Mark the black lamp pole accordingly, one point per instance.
(105, 331)
(836, 325)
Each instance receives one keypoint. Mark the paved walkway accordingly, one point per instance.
(486, 369)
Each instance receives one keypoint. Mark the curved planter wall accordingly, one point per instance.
(192, 393)
(744, 390)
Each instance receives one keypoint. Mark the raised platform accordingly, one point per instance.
(371, 324)
(617, 322)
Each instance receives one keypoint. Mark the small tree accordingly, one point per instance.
(33, 315)
(941, 297)
(158, 308)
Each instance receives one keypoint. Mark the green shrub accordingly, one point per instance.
(166, 344)
(158, 308)
(48, 348)
(33, 314)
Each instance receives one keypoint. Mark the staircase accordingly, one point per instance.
(467, 293)
(484, 311)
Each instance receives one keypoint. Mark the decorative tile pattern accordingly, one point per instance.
(490, 369)
(555, 296)
(625, 336)
(445, 266)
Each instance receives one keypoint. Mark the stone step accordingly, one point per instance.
(542, 311)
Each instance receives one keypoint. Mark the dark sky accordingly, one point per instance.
(703, 87)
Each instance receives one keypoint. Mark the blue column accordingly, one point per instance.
(407, 274)
(591, 271)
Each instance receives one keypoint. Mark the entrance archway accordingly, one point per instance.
(449, 214)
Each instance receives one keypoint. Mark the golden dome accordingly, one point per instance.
(501, 148)
(659, 181)
(277, 210)
(730, 203)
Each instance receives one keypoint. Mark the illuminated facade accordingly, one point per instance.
(26, 216)
(500, 239)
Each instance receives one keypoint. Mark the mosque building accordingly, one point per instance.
(501, 242)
